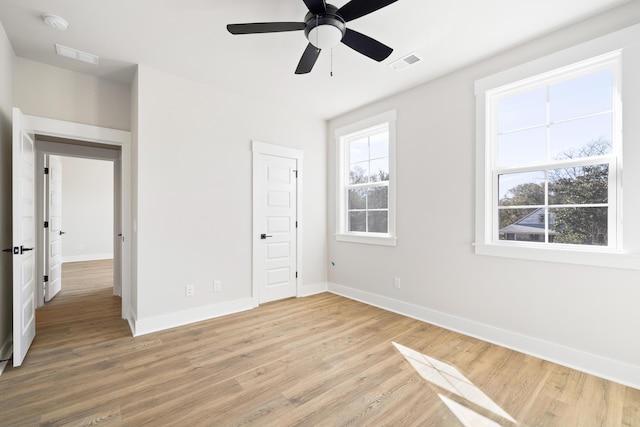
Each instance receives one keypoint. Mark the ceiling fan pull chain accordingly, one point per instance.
(331, 71)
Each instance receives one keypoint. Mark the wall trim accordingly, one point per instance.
(593, 364)
(185, 317)
(86, 257)
(312, 289)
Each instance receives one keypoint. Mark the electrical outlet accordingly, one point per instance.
(396, 282)
(217, 285)
(190, 290)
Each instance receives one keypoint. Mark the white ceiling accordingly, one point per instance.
(189, 38)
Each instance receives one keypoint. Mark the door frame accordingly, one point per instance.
(98, 141)
(259, 149)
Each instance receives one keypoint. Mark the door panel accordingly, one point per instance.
(54, 236)
(24, 239)
(277, 252)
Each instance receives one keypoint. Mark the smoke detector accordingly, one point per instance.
(55, 21)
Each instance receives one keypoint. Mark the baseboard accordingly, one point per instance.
(313, 289)
(131, 319)
(180, 318)
(86, 257)
(603, 367)
(6, 350)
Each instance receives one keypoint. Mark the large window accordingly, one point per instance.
(366, 181)
(555, 153)
(550, 149)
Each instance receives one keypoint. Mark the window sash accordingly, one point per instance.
(346, 142)
(612, 159)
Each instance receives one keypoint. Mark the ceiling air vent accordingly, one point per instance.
(76, 54)
(405, 62)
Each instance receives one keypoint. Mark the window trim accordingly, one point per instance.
(603, 49)
(387, 239)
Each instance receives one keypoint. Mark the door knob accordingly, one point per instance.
(62, 232)
(264, 236)
(23, 249)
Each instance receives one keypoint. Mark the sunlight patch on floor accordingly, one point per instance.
(449, 378)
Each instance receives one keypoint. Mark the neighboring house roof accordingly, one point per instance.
(532, 223)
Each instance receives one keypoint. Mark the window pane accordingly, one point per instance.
(581, 226)
(579, 185)
(359, 173)
(357, 221)
(379, 145)
(523, 110)
(379, 170)
(581, 96)
(581, 138)
(357, 199)
(378, 221)
(521, 189)
(522, 147)
(525, 225)
(359, 150)
(378, 198)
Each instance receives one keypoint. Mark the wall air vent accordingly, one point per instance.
(76, 54)
(405, 62)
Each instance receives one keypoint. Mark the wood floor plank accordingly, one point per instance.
(318, 361)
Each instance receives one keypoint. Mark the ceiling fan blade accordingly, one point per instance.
(265, 27)
(308, 60)
(316, 6)
(357, 8)
(366, 45)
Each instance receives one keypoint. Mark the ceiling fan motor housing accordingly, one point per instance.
(325, 30)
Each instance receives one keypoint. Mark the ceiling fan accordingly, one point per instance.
(325, 26)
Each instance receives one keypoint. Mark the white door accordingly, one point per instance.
(275, 238)
(23, 224)
(53, 257)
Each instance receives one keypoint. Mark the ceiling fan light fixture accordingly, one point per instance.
(325, 36)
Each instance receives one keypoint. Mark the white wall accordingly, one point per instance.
(6, 103)
(87, 209)
(194, 180)
(52, 92)
(581, 316)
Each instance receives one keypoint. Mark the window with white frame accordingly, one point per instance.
(554, 156)
(549, 156)
(366, 188)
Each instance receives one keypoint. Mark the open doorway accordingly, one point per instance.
(33, 137)
(78, 203)
(87, 183)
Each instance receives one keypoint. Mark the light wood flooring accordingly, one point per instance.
(317, 361)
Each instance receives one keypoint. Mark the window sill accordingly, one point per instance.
(366, 239)
(595, 258)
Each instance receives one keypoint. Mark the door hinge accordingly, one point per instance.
(46, 279)
(296, 224)
(296, 274)
(46, 224)
(46, 171)
(296, 173)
